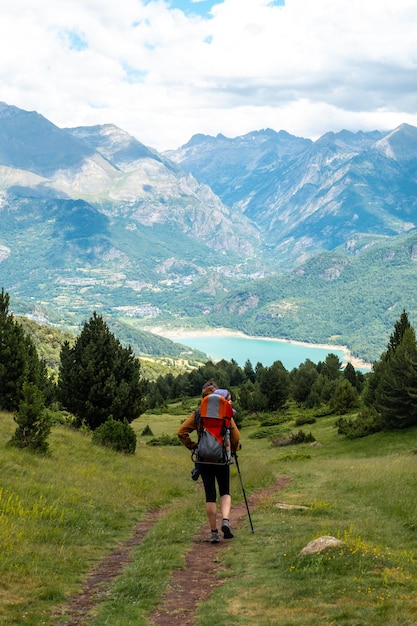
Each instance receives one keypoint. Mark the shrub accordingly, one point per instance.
(60, 418)
(273, 419)
(164, 440)
(117, 435)
(294, 438)
(265, 433)
(300, 421)
(147, 431)
(369, 421)
(295, 457)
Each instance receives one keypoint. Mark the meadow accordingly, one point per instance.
(61, 513)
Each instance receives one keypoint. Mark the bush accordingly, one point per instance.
(164, 440)
(117, 435)
(265, 433)
(304, 419)
(60, 418)
(273, 419)
(294, 438)
(369, 421)
(295, 457)
(147, 431)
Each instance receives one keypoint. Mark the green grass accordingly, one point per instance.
(362, 492)
(60, 514)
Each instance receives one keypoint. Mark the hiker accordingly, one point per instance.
(213, 472)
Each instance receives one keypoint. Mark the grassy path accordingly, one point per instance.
(193, 584)
(190, 585)
(76, 611)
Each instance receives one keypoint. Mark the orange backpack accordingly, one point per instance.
(213, 423)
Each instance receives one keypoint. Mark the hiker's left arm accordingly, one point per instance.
(184, 431)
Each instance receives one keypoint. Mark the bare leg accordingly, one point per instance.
(211, 514)
(225, 506)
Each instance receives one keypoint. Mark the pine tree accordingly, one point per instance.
(345, 397)
(33, 424)
(350, 374)
(399, 329)
(302, 380)
(274, 385)
(99, 378)
(331, 367)
(380, 368)
(396, 395)
(249, 371)
(19, 361)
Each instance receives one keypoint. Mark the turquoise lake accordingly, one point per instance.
(264, 351)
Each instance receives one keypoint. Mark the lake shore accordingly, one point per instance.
(181, 334)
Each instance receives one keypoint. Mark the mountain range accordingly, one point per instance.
(268, 233)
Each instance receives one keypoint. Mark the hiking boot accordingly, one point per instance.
(226, 529)
(215, 537)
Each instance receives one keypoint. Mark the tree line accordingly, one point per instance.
(383, 399)
(100, 384)
(268, 388)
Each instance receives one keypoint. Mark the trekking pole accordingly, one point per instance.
(243, 491)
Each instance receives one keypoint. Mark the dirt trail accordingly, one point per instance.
(189, 586)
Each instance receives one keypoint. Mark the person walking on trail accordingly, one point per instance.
(213, 473)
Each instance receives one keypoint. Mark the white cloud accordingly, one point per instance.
(164, 70)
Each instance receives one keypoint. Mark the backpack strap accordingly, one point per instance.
(197, 420)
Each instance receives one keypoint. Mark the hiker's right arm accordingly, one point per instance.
(235, 437)
(184, 431)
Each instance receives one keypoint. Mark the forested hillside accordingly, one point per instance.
(158, 355)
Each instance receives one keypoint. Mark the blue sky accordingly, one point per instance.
(164, 70)
(199, 7)
(203, 7)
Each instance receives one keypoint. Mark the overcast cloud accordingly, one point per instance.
(165, 70)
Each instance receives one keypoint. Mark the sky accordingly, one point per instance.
(164, 70)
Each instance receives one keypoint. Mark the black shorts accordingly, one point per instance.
(210, 473)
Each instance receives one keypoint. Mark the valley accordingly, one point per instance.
(268, 234)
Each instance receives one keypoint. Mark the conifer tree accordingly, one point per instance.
(379, 374)
(331, 367)
(274, 385)
(396, 396)
(350, 374)
(19, 361)
(33, 424)
(399, 329)
(249, 371)
(345, 397)
(99, 378)
(302, 380)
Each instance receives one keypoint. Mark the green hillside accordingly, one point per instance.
(158, 355)
(339, 298)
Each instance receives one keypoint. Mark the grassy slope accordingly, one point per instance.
(158, 355)
(59, 515)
